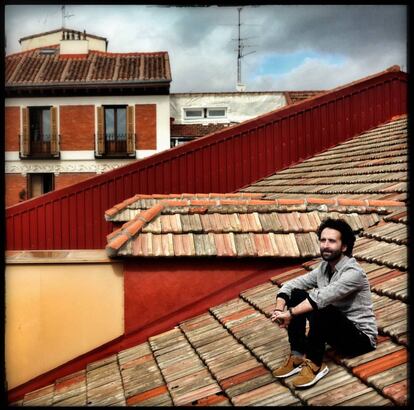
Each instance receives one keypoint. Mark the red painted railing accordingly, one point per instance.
(73, 217)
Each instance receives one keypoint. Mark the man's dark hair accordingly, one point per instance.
(347, 234)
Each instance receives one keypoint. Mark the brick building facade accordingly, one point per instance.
(73, 111)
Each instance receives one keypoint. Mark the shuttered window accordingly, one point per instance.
(40, 132)
(101, 139)
(25, 147)
(54, 148)
(130, 131)
(116, 135)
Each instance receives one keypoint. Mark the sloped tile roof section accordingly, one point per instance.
(196, 130)
(293, 97)
(226, 356)
(232, 225)
(33, 68)
(372, 165)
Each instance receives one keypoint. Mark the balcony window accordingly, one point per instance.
(40, 135)
(115, 131)
(40, 131)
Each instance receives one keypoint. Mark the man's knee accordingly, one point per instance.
(327, 315)
(297, 296)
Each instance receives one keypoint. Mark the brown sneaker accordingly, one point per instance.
(291, 366)
(309, 374)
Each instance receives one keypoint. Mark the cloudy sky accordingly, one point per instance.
(287, 47)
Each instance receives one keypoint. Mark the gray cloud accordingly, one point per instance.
(348, 29)
(200, 40)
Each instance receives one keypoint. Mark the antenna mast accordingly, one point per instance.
(65, 16)
(240, 55)
(239, 52)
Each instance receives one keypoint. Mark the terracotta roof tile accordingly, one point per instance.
(32, 67)
(299, 96)
(398, 391)
(284, 233)
(40, 397)
(195, 130)
(380, 365)
(147, 398)
(71, 390)
(384, 253)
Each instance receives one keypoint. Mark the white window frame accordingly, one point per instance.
(216, 116)
(199, 117)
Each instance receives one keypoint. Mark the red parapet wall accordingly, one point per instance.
(172, 290)
(73, 217)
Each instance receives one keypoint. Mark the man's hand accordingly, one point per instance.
(282, 318)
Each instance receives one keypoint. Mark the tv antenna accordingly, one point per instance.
(240, 54)
(65, 16)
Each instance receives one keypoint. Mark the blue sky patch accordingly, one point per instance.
(277, 64)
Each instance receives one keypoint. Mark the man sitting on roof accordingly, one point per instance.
(338, 307)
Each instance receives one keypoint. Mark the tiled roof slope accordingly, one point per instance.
(195, 130)
(296, 96)
(226, 355)
(359, 179)
(232, 225)
(34, 68)
(372, 165)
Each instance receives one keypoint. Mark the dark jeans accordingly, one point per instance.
(326, 325)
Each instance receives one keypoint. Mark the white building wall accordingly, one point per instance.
(41, 41)
(74, 47)
(240, 106)
(55, 38)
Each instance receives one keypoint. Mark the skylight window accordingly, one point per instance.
(193, 113)
(216, 112)
(47, 51)
(201, 113)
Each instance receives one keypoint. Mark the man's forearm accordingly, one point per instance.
(280, 304)
(303, 307)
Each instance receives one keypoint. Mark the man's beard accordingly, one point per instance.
(331, 256)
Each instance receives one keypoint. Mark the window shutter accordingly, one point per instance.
(54, 147)
(25, 147)
(101, 140)
(130, 130)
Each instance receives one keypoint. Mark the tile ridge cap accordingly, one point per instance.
(120, 206)
(338, 200)
(119, 237)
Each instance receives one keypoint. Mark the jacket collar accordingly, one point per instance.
(341, 263)
(338, 266)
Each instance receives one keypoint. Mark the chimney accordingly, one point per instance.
(74, 43)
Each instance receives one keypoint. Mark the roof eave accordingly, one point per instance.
(107, 87)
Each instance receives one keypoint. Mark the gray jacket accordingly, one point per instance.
(348, 290)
